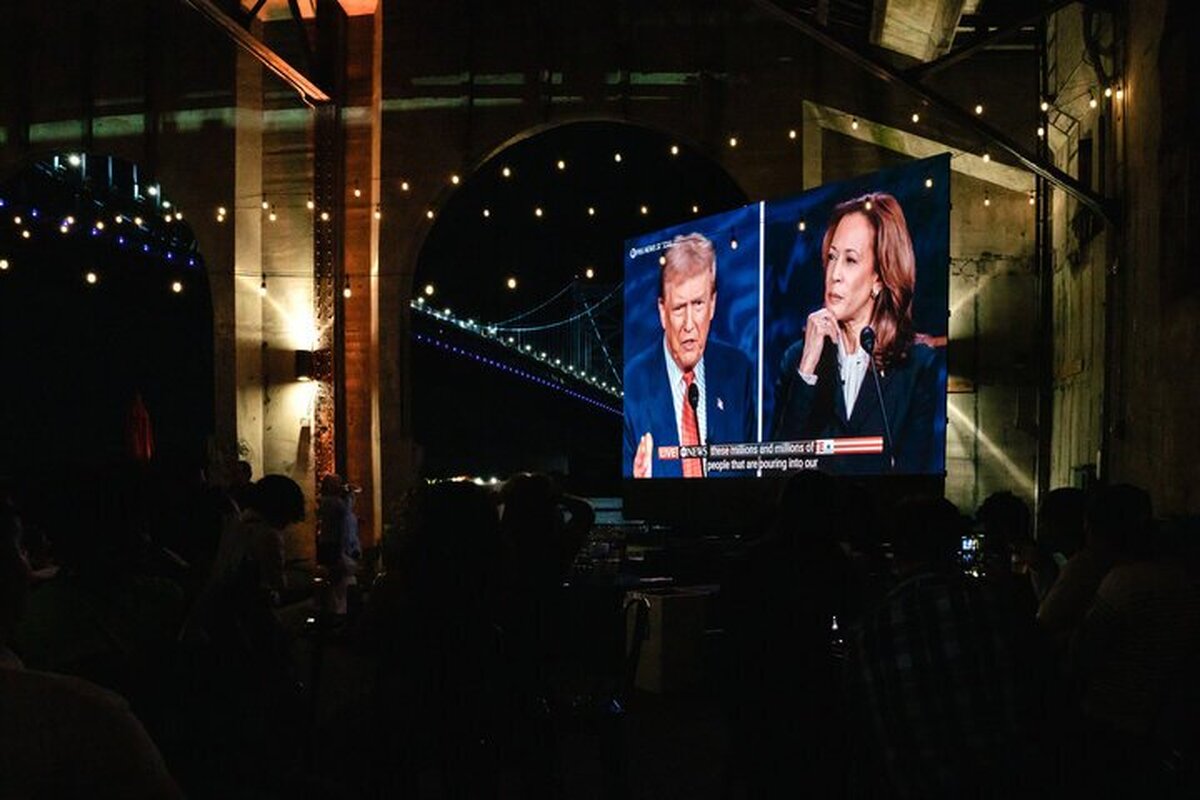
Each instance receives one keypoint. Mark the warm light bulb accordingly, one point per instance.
(617, 157)
(868, 205)
(506, 172)
(511, 283)
(1108, 91)
(929, 183)
(429, 290)
(561, 164)
(357, 191)
(674, 149)
(17, 220)
(74, 160)
(3, 263)
(1092, 102)
(429, 214)
(378, 212)
(916, 117)
(324, 216)
(309, 203)
(178, 216)
(404, 186)
(695, 209)
(177, 287)
(220, 211)
(1041, 132)
(265, 204)
(346, 291)
(91, 277)
(978, 109)
(1120, 94)
(26, 234)
(854, 124)
(486, 213)
(986, 158)
(271, 217)
(537, 212)
(987, 201)
(166, 203)
(645, 210)
(590, 273)
(801, 226)
(455, 179)
(1032, 198)
(792, 133)
(152, 191)
(591, 211)
(99, 224)
(662, 261)
(733, 141)
(1045, 106)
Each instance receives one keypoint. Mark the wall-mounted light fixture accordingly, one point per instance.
(304, 365)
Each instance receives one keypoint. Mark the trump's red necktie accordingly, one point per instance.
(690, 431)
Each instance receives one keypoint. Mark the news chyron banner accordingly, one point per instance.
(802, 333)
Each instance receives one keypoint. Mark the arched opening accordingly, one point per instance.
(105, 321)
(525, 256)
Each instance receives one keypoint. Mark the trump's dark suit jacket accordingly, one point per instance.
(728, 404)
(910, 394)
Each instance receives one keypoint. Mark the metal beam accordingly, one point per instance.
(960, 116)
(922, 71)
(309, 92)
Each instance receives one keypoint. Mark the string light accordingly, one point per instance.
(3, 264)
(854, 124)
(378, 212)
(309, 203)
(346, 292)
(429, 214)
(591, 211)
(561, 165)
(1045, 106)
(1041, 132)
(357, 190)
(617, 157)
(645, 210)
(590, 273)
(978, 109)
(454, 179)
(916, 118)
(137, 221)
(324, 216)
(17, 220)
(792, 133)
(506, 172)
(733, 141)
(262, 287)
(178, 216)
(800, 226)
(429, 290)
(537, 212)
(674, 149)
(695, 209)
(265, 204)
(929, 183)
(404, 186)
(272, 216)
(986, 158)
(99, 225)
(1108, 91)
(511, 283)
(26, 234)
(486, 213)
(91, 278)
(177, 287)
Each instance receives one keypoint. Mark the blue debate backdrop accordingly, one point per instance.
(777, 267)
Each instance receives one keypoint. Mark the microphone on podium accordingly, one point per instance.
(866, 337)
(693, 398)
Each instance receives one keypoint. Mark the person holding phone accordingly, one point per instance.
(825, 389)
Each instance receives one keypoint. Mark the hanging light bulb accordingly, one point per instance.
(591, 211)
(454, 179)
(1108, 92)
(310, 204)
(262, 286)
(929, 183)
(271, 215)
(177, 286)
(537, 212)
(792, 134)
(324, 216)
(733, 141)
(854, 124)
(617, 157)
(404, 186)
(1120, 93)
(1045, 106)
(674, 149)
(506, 172)
(986, 158)
(801, 226)
(3, 264)
(357, 190)
(346, 292)
(590, 273)
(987, 199)
(645, 210)
(429, 214)
(978, 109)
(1092, 103)
(1032, 197)
(265, 204)
(1041, 132)
(561, 165)
(487, 213)
(91, 277)
(378, 212)
(916, 118)
(695, 209)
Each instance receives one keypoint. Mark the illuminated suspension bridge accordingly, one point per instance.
(570, 342)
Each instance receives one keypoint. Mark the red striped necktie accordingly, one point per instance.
(690, 430)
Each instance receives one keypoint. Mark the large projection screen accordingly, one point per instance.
(802, 333)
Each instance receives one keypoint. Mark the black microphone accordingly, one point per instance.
(693, 399)
(866, 337)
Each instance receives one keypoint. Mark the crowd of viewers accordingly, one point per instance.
(868, 651)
